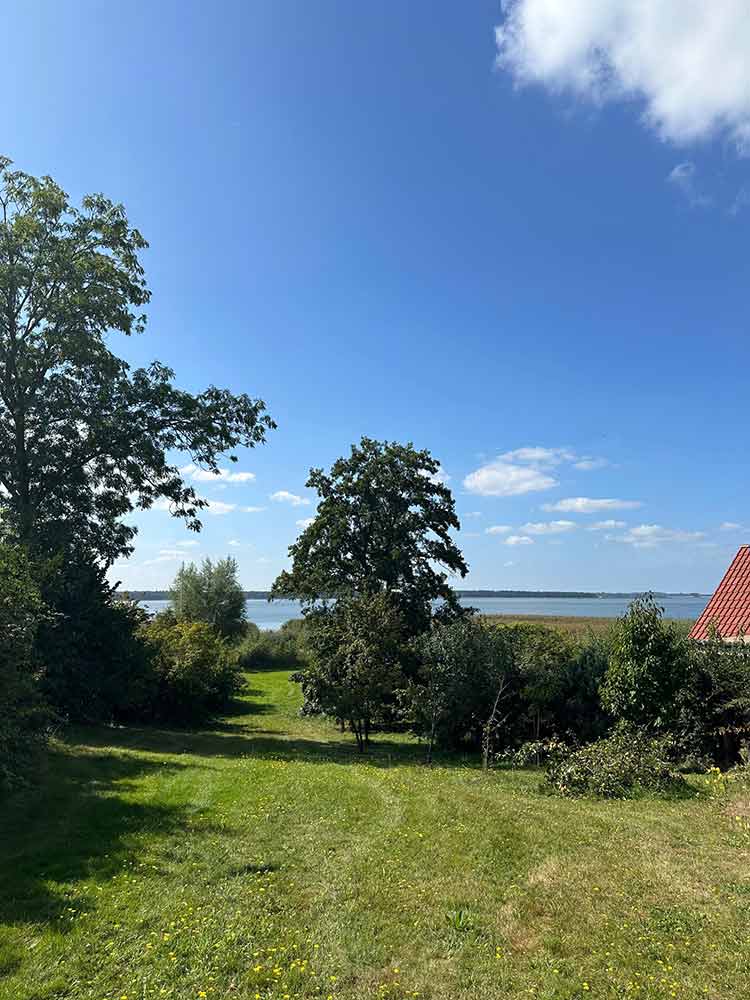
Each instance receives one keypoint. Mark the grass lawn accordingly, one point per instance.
(263, 859)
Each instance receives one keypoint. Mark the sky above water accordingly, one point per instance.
(515, 235)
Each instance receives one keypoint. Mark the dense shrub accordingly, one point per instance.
(23, 716)
(280, 649)
(713, 721)
(96, 666)
(623, 765)
(356, 646)
(210, 593)
(648, 668)
(195, 670)
(462, 668)
(550, 684)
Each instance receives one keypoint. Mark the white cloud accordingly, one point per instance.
(547, 527)
(162, 503)
(217, 507)
(234, 542)
(730, 526)
(252, 510)
(519, 540)
(682, 177)
(537, 455)
(498, 529)
(509, 563)
(504, 479)
(472, 513)
(199, 475)
(525, 470)
(440, 477)
(284, 496)
(589, 505)
(305, 522)
(190, 544)
(648, 536)
(608, 525)
(685, 61)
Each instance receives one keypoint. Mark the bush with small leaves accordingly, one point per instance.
(196, 670)
(280, 649)
(534, 753)
(624, 765)
(648, 668)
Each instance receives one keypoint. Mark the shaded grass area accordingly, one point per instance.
(264, 859)
(572, 624)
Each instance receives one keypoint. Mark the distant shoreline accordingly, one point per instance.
(264, 595)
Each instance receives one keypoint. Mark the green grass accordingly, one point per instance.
(263, 859)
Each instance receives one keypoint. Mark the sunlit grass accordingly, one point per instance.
(263, 859)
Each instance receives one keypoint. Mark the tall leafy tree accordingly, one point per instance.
(383, 524)
(85, 439)
(210, 593)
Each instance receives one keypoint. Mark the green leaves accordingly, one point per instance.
(647, 668)
(83, 439)
(356, 650)
(383, 524)
(210, 594)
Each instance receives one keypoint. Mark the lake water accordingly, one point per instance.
(273, 614)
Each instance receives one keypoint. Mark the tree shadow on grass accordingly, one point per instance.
(75, 823)
(243, 706)
(232, 741)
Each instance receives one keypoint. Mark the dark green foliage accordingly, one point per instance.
(96, 667)
(195, 670)
(648, 668)
(549, 682)
(714, 704)
(356, 647)
(623, 765)
(383, 524)
(211, 594)
(23, 716)
(559, 679)
(279, 649)
(83, 439)
(463, 667)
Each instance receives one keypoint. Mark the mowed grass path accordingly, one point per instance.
(263, 859)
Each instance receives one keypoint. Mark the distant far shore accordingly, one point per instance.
(264, 595)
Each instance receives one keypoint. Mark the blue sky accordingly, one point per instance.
(538, 270)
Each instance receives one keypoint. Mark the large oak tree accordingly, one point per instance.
(85, 439)
(383, 524)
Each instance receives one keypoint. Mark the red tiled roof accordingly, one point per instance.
(729, 608)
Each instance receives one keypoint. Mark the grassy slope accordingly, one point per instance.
(263, 859)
